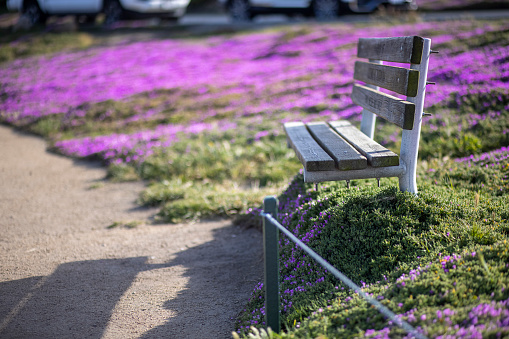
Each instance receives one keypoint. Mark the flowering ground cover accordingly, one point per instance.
(445, 253)
(200, 120)
(138, 106)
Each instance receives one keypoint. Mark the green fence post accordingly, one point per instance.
(271, 250)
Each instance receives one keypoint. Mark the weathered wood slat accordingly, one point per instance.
(377, 155)
(312, 156)
(399, 112)
(401, 49)
(397, 79)
(369, 172)
(345, 156)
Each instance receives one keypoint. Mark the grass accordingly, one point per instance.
(454, 236)
(183, 201)
(125, 224)
(210, 175)
(216, 149)
(22, 44)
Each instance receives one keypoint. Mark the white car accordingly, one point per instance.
(37, 11)
(243, 10)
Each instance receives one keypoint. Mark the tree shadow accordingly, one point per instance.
(75, 301)
(222, 274)
(78, 299)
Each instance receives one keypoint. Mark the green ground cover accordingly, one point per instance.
(22, 44)
(445, 251)
(200, 121)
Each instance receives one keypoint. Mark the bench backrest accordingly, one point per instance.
(410, 82)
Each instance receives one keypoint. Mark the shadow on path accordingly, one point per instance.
(45, 307)
(221, 273)
(228, 267)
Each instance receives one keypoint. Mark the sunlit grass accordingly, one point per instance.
(417, 255)
(21, 45)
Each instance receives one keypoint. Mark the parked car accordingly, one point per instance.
(243, 10)
(37, 11)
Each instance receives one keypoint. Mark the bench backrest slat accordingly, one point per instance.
(401, 80)
(400, 49)
(399, 112)
(397, 79)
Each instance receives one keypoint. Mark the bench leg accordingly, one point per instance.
(410, 138)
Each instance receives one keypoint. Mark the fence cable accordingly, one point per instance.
(381, 308)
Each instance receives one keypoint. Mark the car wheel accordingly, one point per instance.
(85, 19)
(169, 21)
(240, 10)
(326, 9)
(90, 19)
(33, 13)
(113, 12)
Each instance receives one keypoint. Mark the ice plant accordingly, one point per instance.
(265, 74)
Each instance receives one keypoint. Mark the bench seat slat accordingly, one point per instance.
(312, 156)
(345, 156)
(400, 49)
(368, 172)
(377, 155)
(399, 112)
(397, 79)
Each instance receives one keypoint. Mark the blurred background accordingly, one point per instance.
(244, 12)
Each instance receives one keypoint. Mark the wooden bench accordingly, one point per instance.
(339, 151)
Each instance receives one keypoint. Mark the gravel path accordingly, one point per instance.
(65, 274)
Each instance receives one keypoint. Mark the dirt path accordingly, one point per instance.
(64, 274)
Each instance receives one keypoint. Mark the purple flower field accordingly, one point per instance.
(299, 71)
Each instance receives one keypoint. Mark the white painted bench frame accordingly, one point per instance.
(406, 170)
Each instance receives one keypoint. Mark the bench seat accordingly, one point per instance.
(337, 150)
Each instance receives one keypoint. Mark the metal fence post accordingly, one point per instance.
(271, 256)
